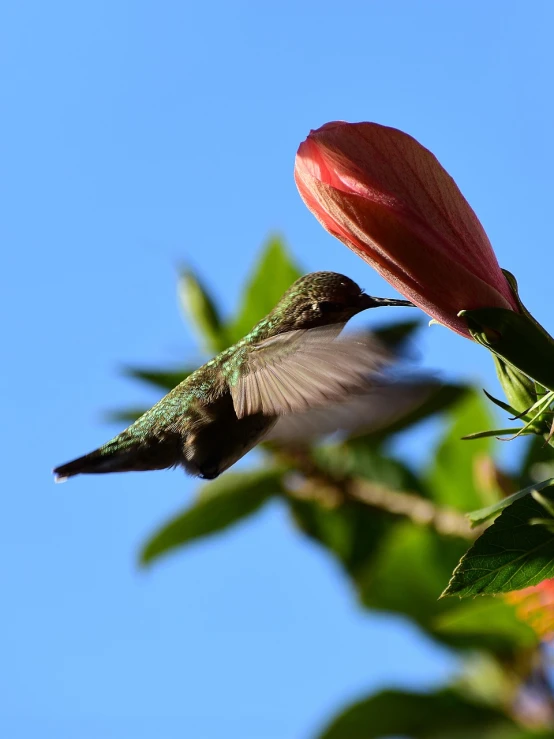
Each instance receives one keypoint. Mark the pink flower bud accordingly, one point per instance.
(387, 198)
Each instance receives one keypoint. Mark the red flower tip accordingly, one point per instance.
(387, 198)
(535, 606)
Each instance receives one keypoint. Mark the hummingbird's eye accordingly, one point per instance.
(327, 306)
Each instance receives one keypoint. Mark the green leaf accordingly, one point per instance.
(125, 415)
(438, 401)
(538, 463)
(408, 573)
(520, 391)
(359, 458)
(501, 404)
(201, 308)
(516, 338)
(510, 555)
(546, 504)
(451, 478)
(273, 275)
(483, 514)
(415, 715)
(164, 379)
(495, 433)
(395, 335)
(351, 531)
(221, 503)
(487, 617)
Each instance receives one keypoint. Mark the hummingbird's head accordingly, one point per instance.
(323, 299)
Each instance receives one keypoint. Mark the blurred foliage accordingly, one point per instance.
(221, 503)
(199, 305)
(397, 532)
(393, 713)
(452, 476)
(166, 380)
(272, 276)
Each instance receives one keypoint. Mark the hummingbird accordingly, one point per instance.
(294, 363)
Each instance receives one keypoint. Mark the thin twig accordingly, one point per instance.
(321, 486)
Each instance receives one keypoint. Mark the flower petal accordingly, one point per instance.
(388, 198)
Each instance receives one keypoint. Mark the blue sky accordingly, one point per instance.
(136, 135)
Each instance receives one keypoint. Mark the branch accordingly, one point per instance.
(320, 486)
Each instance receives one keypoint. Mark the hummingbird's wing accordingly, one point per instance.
(303, 369)
(385, 403)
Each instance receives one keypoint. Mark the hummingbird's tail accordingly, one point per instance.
(124, 454)
(95, 462)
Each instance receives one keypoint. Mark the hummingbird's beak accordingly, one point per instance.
(367, 301)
